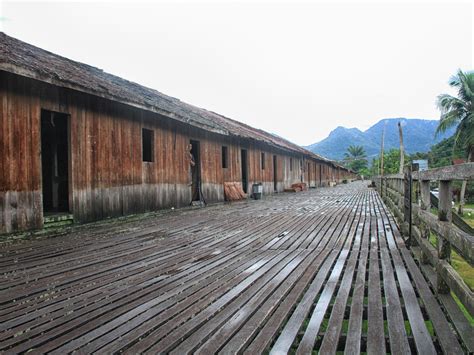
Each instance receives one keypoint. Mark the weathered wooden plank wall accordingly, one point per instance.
(20, 194)
(107, 175)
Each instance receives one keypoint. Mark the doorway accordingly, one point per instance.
(243, 161)
(195, 171)
(308, 168)
(55, 161)
(275, 182)
(320, 175)
(301, 171)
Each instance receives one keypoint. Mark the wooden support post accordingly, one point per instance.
(407, 220)
(444, 215)
(425, 195)
(401, 200)
(425, 206)
(384, 188)
(445, 201)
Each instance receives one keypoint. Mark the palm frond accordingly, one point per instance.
(447, 102)
(466, 86)
(448, 120)
(454, 80)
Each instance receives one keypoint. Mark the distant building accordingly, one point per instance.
(421, 164)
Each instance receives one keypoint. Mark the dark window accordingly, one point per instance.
(291, 164)
(263, 161)
(147, 145)
(225, 157)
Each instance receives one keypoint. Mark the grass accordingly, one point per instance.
(466, 206)
(470, 222)
(466, 313)
(430, 328)
(464, 270)
(468, 216)
(461, 266)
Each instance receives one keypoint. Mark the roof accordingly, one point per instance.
(27, 60)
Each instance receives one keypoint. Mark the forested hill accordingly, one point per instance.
(419, 136)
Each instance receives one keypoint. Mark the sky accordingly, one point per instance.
(296, 69)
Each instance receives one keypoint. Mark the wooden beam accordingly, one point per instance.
(462, 242)
(451, 172)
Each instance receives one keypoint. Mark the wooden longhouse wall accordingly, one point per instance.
(20, 182)
(107, 176)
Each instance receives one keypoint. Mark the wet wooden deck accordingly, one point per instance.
(320, 270)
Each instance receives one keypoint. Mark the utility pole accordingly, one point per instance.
(402, 148)
(381, 152)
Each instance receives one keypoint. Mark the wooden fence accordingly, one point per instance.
(409, 197)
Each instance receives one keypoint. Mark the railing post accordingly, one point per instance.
(425, 195)
(425, 206)
(445, 203)
(407, 204)
(444, 215)
(401, 195)
(381, 187)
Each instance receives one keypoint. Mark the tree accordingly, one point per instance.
(374, 167)
(391, 162)
(440, 154)
(459, 112)
(355, 158)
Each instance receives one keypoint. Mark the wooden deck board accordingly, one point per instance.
(321, 270)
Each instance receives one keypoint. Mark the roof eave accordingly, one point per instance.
(62, 83)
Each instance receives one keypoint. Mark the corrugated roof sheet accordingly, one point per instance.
(27, 60)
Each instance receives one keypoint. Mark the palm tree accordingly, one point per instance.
(459, 112)
(355, 157)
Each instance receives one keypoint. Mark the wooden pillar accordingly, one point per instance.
(407, 205)
(444, 215)
(401, 190)
(425, 195)
(445, 202)
(401, 199)
(425, 206)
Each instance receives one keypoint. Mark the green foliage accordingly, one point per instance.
(391, 162)
(355, 158)
(374, 167)
(366, 172)
(441, 154)
(459, 111)
(463, 268)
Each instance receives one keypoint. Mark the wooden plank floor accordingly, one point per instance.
(320, 270)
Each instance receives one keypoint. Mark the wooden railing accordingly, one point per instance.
(409, 198)
(457, 220)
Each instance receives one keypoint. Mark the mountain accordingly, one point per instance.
(418, 136)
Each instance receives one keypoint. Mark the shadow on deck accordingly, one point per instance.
(323, 270)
